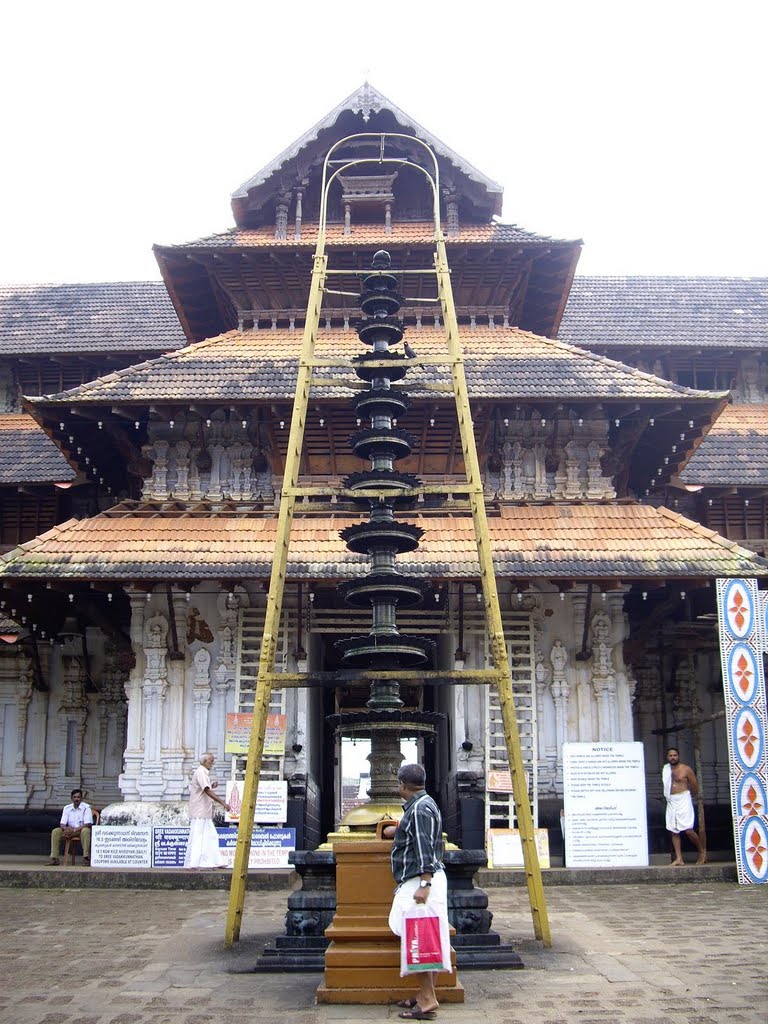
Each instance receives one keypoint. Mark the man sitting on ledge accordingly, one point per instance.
(76, 821)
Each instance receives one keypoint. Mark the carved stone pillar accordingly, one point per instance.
(154, 686)
(73, 711)
(573, 486)
(181, 453)
(216, 451)
(558, 657)
(625, 679)
(134, 752)
(603, 675)
(15, 699)
(228, 604)
(113, 710)
(195, 491)
(546, 754)
(201, 694)
(173, 709)
(159, 485)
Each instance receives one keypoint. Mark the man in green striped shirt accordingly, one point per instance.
(417, 867)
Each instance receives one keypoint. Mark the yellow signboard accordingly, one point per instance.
(238, 734)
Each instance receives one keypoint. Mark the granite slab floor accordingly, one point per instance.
(645, 954)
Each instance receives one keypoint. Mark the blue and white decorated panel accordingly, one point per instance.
(742, 612)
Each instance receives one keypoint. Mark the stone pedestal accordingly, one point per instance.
(477, 946)
(362, 963)
(312, 907)
(310, 912)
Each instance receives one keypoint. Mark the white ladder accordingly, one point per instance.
(500, 807)
(249, 632)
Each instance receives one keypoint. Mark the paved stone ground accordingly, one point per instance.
(649, 954)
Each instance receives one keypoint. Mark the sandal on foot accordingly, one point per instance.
(417, 1014)
(408, 1004)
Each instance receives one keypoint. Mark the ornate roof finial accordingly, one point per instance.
(366, 101)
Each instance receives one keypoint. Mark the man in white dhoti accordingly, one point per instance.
(203, 843)
(418, 869)
(680, 786)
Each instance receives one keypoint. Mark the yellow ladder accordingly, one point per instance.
(474, 490)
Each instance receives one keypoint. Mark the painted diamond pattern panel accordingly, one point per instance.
(743, 618)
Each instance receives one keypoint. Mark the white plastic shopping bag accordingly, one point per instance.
(421, 947)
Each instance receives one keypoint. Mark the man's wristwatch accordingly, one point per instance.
(424, 885)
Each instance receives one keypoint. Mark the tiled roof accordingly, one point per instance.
(366, 101)
(704, 312)
(130, 316)
(261, 366)
(9, 626)
(555, 541)
(403, 233)
(734, 452)
(28, 455)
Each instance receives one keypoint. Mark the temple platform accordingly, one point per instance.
(33, 872)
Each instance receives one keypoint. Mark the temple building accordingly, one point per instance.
(621, 425)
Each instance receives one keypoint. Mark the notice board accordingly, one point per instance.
(605, 820)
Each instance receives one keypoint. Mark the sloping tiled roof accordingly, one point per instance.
(365, 101)
(129, 316)
(555, 541)
(9, 626)
(261, 366)
(703, 312)
(28, 455)
(734, 452)
(403, 233)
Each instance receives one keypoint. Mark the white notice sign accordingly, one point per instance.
(605, 812)
(121, 846)
(271, 802)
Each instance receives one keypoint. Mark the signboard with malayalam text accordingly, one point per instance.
(271, 802)
(121, 846)
(238, 734)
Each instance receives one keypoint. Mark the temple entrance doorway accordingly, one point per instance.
(353, 770)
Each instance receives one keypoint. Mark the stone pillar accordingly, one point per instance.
(73, 711)
(558, 656)
(133, 756)
(154, 686)
(181, 453)
(603, 675)
(15, 699)
(173, 749)
(112, 712)
(625, 680)
(201, 693)
(159, 482)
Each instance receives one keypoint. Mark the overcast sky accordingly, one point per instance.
(637, 127)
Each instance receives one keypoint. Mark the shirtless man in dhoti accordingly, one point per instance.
(680, 786)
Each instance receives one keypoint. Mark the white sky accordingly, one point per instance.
(637, 127)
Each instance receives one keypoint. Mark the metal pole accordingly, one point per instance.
(491, 596)
(274, 602)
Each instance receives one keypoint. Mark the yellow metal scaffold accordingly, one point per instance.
(500, 673)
